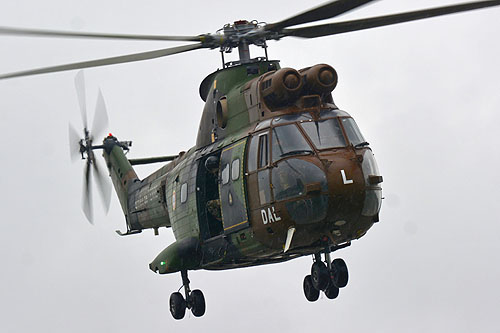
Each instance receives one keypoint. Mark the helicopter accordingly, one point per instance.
(243, 196)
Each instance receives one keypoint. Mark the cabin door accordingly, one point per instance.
(232, 188)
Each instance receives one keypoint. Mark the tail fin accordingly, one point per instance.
(121, 171)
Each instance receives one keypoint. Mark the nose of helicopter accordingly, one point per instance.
(346, 187)
(341, 197)
(315, 190)
(354, 193)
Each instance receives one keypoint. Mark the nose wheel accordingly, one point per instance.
(326, 276)
(193, 300)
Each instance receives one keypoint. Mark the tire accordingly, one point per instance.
(320, 276)
(177, 305)
(311, 293)
(331, 292)
(340, 275)
(197, 303)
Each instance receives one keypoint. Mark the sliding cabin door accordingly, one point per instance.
(232, 188)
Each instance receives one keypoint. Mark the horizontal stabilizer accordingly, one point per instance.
(129, 232)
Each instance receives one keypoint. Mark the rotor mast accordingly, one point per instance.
(241, 34)
(244, 51)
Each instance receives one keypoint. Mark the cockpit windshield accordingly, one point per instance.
(287, 140)
(300, 134)
(353, 133)
(325, 133)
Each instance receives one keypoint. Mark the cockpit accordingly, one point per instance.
(287, 156)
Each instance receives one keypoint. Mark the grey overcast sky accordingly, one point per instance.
(425, 94)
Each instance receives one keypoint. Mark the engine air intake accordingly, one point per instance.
(282, 87)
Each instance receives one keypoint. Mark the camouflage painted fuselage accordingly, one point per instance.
(286, 158)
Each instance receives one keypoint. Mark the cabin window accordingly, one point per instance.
(263, 159)
(325, 133)
(252, 154)
(287, 141)
(353, 133)
(184, 192)
(225, 174)
(235, 169)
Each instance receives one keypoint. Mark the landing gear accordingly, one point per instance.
(340, 275)
(327, 276)
(194, 300)
(197, 303)
(177, 305)
(331, 292)
(312, 294)
(320, 275)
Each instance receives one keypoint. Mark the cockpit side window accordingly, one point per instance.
(325, 133)
(353, 133)
(252, 154)
(263, 156)
(287, 141)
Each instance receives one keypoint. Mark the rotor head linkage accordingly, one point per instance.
(241, 34)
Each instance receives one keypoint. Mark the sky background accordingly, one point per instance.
(426, 95)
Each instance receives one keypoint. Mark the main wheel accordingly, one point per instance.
(312, 294)
(177, 305)
(340, 275)
(197, 303)
(320, 276)
(331, 292)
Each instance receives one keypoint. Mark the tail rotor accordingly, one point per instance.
(83, 147)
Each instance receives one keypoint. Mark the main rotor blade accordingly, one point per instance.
(94, 35)
(103, 185)
(87, 193)
(373, 22)
(100, 122)
(325, 11)
(82, 99)
(74, 143)
(107, 61)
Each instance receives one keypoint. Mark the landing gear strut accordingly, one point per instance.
(194, 300)
(327, 276)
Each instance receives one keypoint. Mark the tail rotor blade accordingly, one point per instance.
(85, 148)
(87, 194)
(74, 143)
(103, 185)
(80, 91)
(100, 122)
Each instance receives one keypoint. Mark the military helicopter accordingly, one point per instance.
(278, 170)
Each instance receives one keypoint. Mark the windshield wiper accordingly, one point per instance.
(297, 152)
(362, 144)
